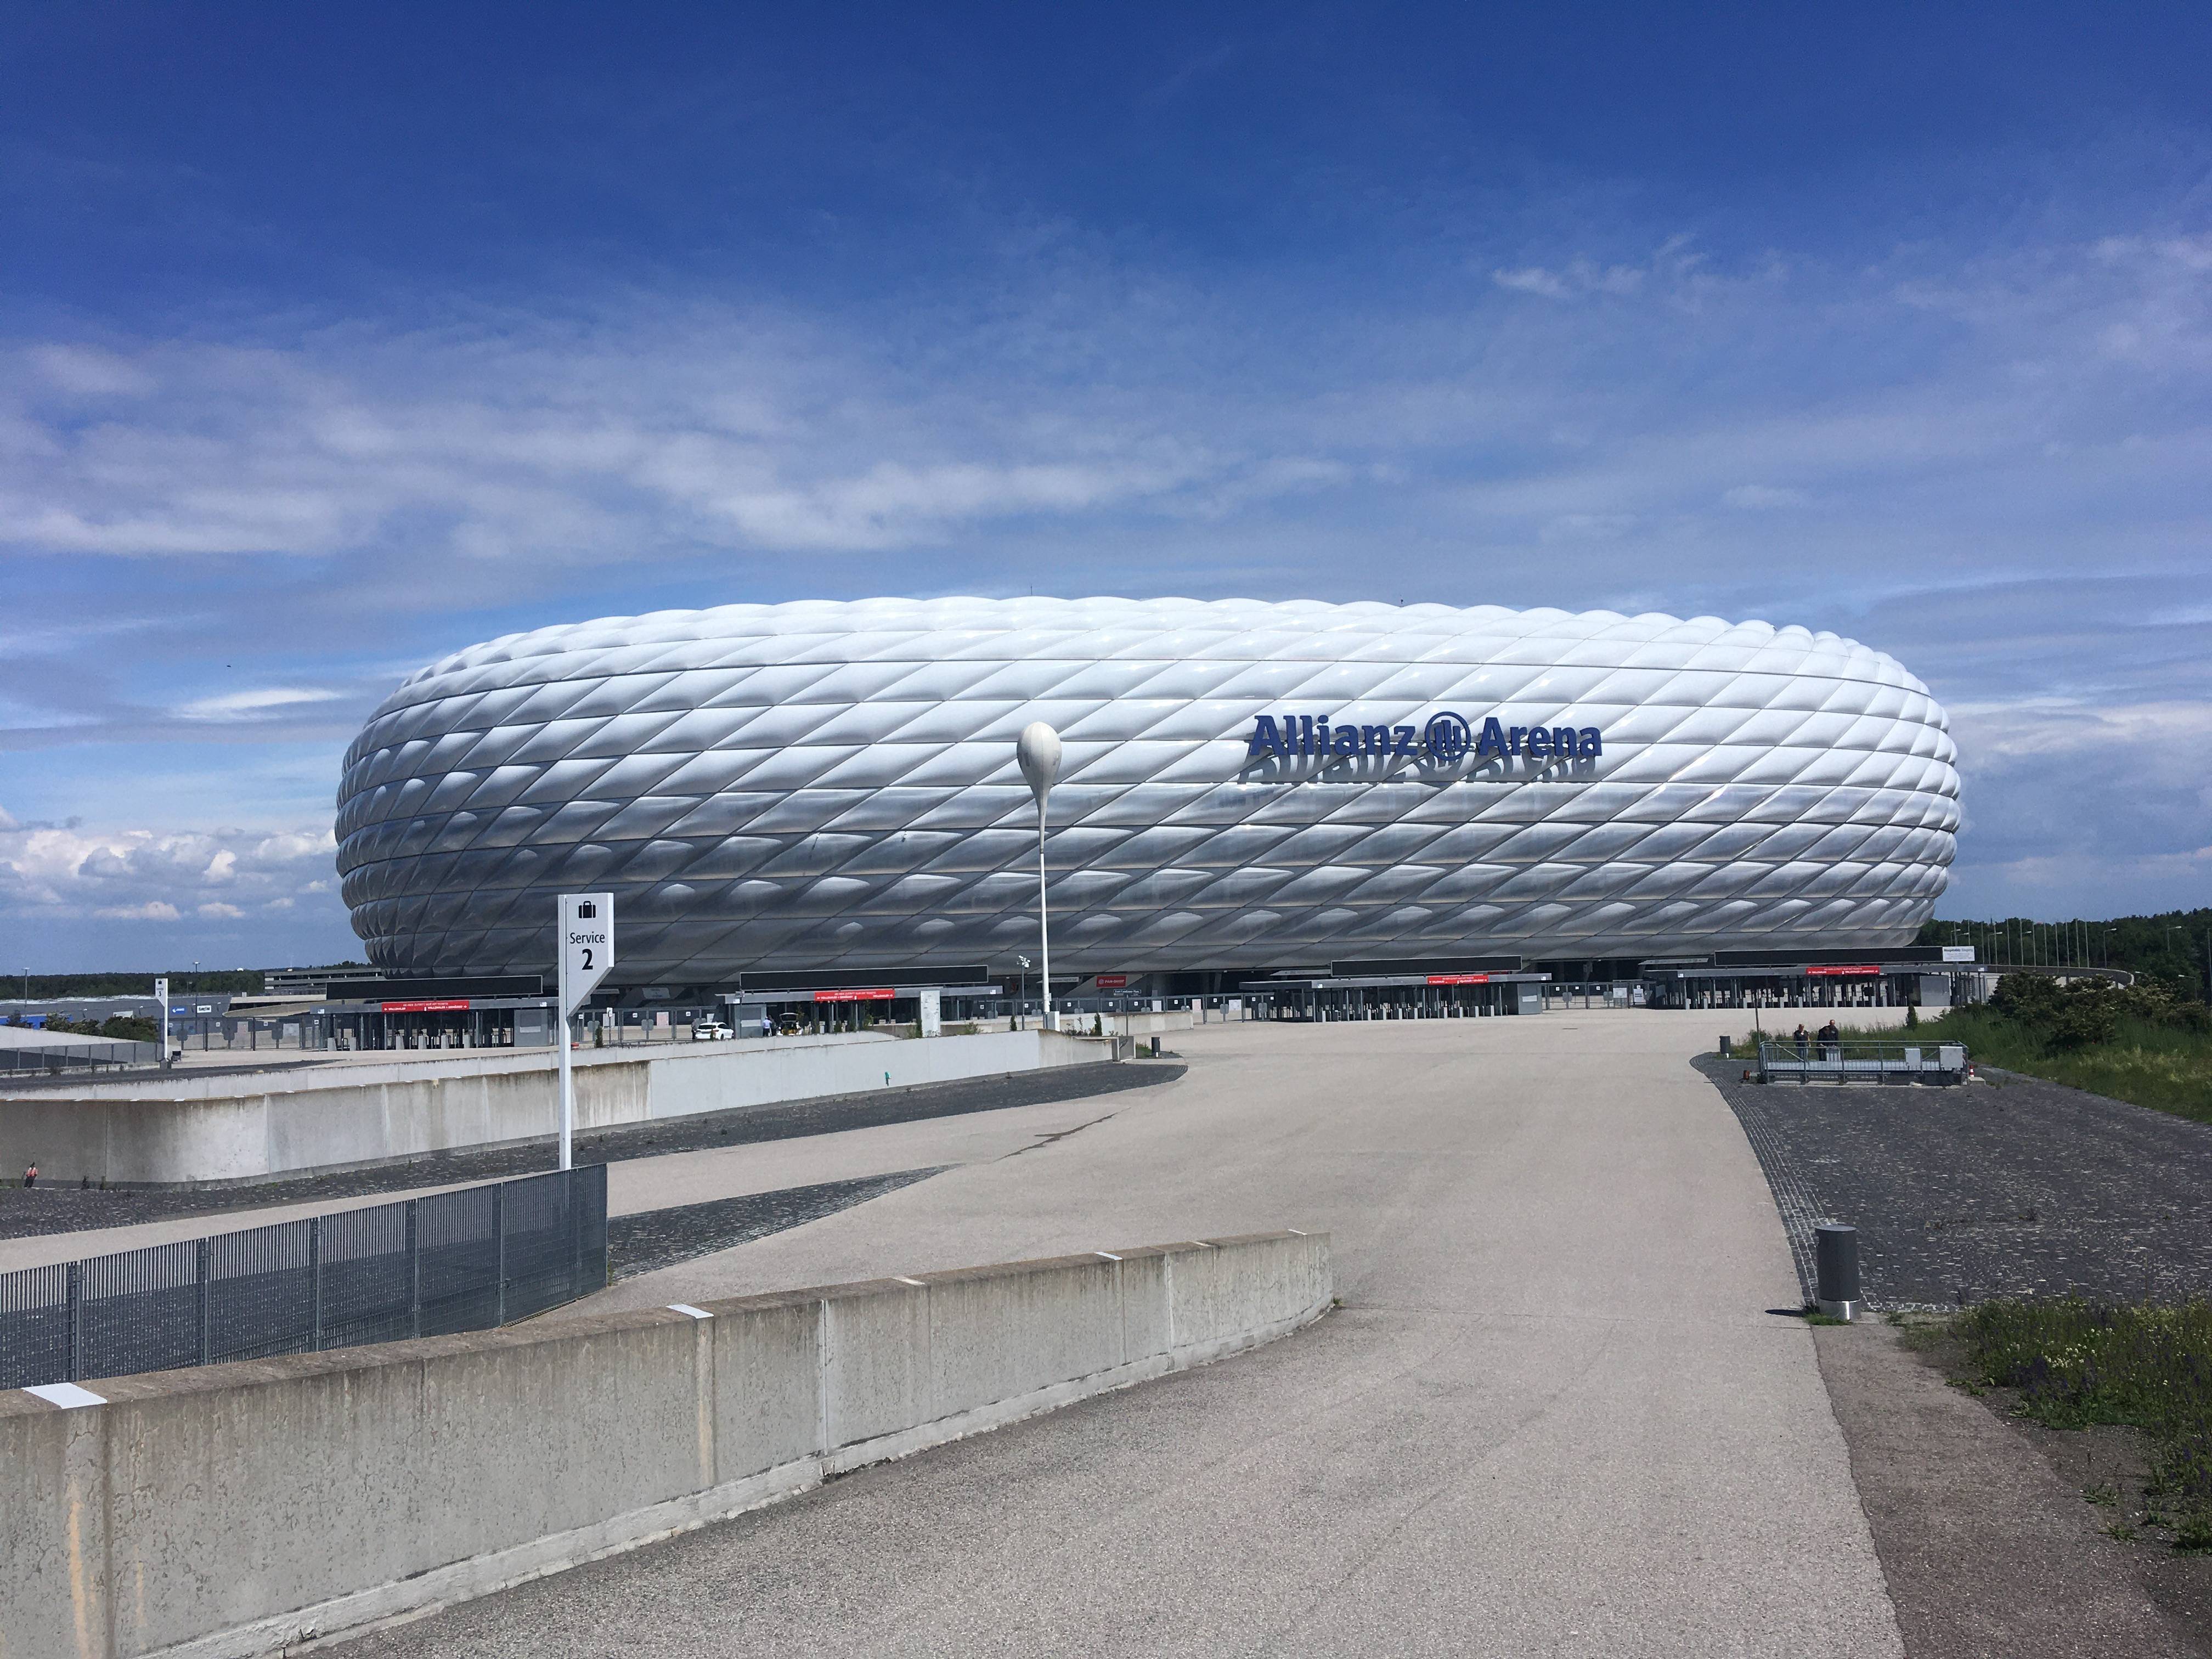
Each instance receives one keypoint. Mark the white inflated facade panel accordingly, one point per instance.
(825, 785)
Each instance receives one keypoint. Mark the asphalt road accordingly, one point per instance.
(1555, 1415)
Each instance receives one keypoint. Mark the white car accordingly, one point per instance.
(711, 1031)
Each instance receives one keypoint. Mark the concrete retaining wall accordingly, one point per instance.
(239, 1508)
(342, 1116)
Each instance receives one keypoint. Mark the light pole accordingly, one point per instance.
(1021, 990)
(1038, 751)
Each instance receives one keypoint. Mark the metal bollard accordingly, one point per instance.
(1836, 1269)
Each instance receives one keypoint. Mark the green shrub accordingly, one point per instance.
(2079, 1022)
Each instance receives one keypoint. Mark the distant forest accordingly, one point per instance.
(239, 982)
(2169, 947)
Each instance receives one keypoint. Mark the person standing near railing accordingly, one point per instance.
(1799, 1041)
(1830, 1041)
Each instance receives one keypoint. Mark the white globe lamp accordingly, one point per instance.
(1038, 751)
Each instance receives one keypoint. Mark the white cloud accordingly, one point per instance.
(688, 427)
(1675, 269)
(152, 910)
(243, 705)
(1758, 498)
(59, 871)
(1531, 279)
(86, 372)
(1588, 527)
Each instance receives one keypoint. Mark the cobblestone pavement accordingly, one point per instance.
(660, 1238)
(2012, 1188)
(68, 1209)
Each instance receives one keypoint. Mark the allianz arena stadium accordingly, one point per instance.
(1246, 786)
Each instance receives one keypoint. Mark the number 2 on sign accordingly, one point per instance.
(588, 958)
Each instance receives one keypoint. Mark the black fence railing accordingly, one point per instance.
(462, 1261)
(56, 1058)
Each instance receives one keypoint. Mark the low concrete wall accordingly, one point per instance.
(240, 1509)
(319, 1119)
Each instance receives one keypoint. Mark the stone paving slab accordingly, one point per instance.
(2016, 1187)
(639, 1244)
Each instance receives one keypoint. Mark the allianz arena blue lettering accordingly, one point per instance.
(1447, 738)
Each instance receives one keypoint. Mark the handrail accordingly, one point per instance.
(1849, 1059)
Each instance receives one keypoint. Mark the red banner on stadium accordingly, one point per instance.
(439, 1006)
(1459, 979)
(881, 995)
(1864, 967)
(1112, 981)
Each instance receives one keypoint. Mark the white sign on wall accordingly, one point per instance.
(932, 1012)
(587, 945)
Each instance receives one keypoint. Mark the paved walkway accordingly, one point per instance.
(1554, 1416)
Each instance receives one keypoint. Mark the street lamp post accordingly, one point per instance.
(1038, 751)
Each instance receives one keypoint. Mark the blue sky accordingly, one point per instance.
(331, 341)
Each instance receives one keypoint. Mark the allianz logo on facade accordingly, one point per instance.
(1447, 738)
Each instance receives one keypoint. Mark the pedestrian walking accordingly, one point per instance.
(1800, 1039)
(31, 1176)
(1830, 1041)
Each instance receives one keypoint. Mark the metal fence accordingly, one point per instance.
(1861, 1060)
(462, 1261)
(58, 1057)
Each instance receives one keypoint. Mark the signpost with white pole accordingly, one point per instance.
(586, 951)
(161, 996)
(1038, 751)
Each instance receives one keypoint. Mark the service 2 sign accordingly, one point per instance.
(587, 945)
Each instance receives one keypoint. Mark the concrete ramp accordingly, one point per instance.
(240, 1510)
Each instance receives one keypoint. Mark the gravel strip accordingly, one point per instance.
(660, 1238)
(67, 1209)
(2014, 1187)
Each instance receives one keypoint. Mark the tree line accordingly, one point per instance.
(2167, 948)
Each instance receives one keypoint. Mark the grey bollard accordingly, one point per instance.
(1836, 1269)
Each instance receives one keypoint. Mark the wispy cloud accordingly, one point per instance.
(1991, 458)
(244, 705)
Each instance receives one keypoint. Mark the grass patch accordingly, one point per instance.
(2076, 1364)
(2152, 1064)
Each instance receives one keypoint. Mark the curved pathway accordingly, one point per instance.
(1554, 1416)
